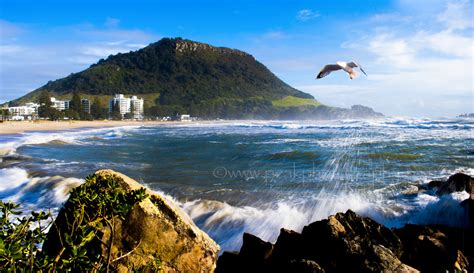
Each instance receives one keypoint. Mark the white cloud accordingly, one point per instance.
(306, 14)
(449, 43)
(104, 50)
(458, 15)
(391, 51)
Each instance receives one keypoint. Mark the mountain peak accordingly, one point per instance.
(186, 46)
(178, 72)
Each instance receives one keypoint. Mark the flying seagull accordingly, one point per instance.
(348, 67)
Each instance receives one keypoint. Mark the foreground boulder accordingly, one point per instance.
(436, 248)
(345, 242)
(153, 235)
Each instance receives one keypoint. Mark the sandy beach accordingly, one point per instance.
(17, 127)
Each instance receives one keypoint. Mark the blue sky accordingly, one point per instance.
(419, 57)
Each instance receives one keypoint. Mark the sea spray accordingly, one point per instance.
(35, 192)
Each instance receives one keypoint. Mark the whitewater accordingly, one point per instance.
(256, 176)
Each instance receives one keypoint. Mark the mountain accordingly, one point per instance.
(178, 75)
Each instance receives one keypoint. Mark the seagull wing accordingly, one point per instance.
(354, 64)
(327, 70)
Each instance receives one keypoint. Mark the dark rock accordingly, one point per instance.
(369, 231)
(255, 249)
(435, 184)
(252, 257)
(434, 248)
(229, 262)
(384, 260)
(350, 241)
(288, 246)
(304, 266)
(468, 205)
(461, 264)
(455, 183)
(331, 234)
(347, 242)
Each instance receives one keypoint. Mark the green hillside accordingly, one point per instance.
(291, 101)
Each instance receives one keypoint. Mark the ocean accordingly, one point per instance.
(256, 176)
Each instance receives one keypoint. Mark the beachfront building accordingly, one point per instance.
(29, 110)
(59, 104)
(86, 105)
(184, 117)
(126, 105)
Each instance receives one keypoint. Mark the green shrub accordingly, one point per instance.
(20, 238)
(74, 244)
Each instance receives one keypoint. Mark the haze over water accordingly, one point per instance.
(257, 176)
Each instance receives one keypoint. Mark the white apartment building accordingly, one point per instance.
(59, 104)
(125, 105)
(27, 110)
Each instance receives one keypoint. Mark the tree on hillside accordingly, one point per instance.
(55, 114)
(97, 110)
(13, 104)
(5, 114)
(72, 114)
(131, 114)
(75, 103)
(45, 109)
(115, 114)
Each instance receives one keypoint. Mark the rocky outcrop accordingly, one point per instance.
(183, 46)
(345, 242)
(155, 230)
(456, 183)
(437, 248)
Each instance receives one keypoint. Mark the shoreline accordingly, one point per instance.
(18, 127)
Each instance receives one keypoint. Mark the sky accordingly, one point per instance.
(419, 55)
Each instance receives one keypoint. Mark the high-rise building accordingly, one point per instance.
(86, 105)
(137, 105)
(126, 105)
(59, 104)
